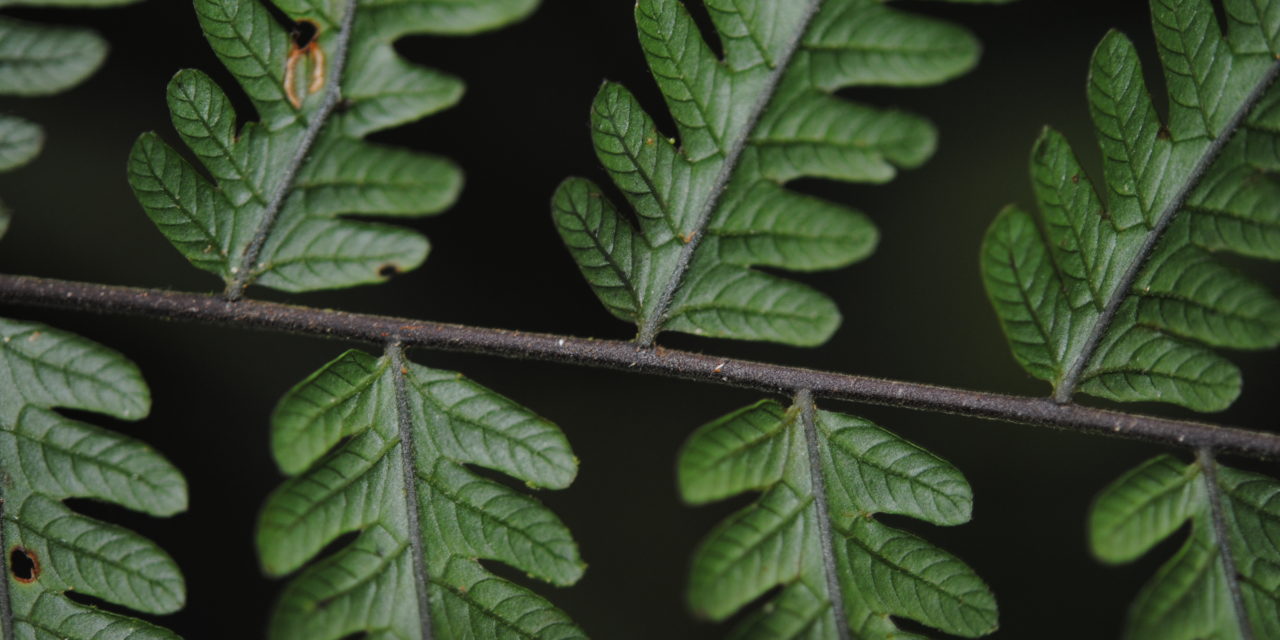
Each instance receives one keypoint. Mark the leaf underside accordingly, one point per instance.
(46, 458)
(865, 569)
(712, 208)
(307, 225)
(340, 433)
(46, 549)
(1115, 292)
(1190, 596)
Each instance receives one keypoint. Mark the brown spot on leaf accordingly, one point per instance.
(24, 565)
(1075, 179)
(387, 270)
(303, 44)
(1163, 134)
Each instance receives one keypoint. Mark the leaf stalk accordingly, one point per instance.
(1209, 467)
(818, 484)
(395, 351)
(626, 356)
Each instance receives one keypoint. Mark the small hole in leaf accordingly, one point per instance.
(388, 270)
(24, 565)
(304, 31)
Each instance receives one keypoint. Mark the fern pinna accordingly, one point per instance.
(379, 446)
(823, 476)
(46, 458)
(713, 205)
(1221, 583)
(1119, 296)
(271, 216)
(40, 60)
(46, 548)
(1115, 292)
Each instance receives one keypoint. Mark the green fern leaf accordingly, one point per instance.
(381, 445)
(1118, 295)
(823, 476)
(715, 206)
(45, 458)
(20, 141)
(38, 60)
(1222, 583)
(277, 212)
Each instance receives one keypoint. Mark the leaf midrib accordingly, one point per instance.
(408, 469)
(818, 486)
(1123, 289)
(651, 324)
(1218, 532)
(248, 269)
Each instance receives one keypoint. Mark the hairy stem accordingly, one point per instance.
(626, 356)
(242, 274)
(408, 469)
(1210, 468)
(818, 484)
(651, 326)
(1071, 379)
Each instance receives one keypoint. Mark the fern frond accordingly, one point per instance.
(1222, 582)
(48, 549)
(823, 476)
(277, 210)
(381, 447)
(714, 206)
(1117, 294)
(20, 141)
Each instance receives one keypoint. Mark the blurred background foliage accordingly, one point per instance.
(915, 310)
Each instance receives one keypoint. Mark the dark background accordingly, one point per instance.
(915, 310)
